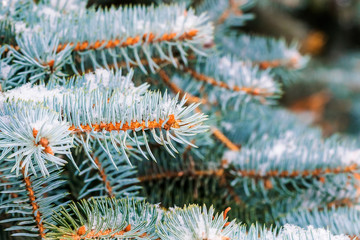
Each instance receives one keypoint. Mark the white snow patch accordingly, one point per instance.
(5, 120)
(102, 77)
(37, 93)
(230, 156)
(298, 233)
(49, 13)
(351, 157)
(5, 70)
(20, 27)
(45, 126)
(283, 145)
(294, 59)
(185, 23)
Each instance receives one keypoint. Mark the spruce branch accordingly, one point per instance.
(286, 232)
(196, 172)
(31, 135)
(36, 60)
(283, 59)
(34, 202)
(342, 220)
(226, 81)
(194, 222)
(105, 218)
(287, 172)
(106, 114)
(137, 35)
(228, 13)
(127, 219)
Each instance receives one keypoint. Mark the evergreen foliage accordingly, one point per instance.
(138, 121)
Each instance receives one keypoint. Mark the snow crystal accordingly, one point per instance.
(49, 13)
(128, 100)
(278, 149)
(142, 26)
(243, 71)
(294, 59)
(230, 156)
(5, 120)
(224, 63)
(20, 27)
(351, 157)
(207, 232)
(266, 82)
(99, 77)
(5, 70)
(232, 67)
(227, 126)
(103, 75)
(185, 23)
(285, 144)
(45, 126)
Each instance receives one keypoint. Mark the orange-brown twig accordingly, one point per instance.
(213, 82)
(33, 203)
(268, 64)
(173, 87)
(103, 177)
(192, 99)
(93, 234)
(129, 41)
(192, 173)
(289, 63)
(171, 123)
(306, 173)
(234, 8)
(220, 136)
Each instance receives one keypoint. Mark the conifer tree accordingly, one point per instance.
(160, 121)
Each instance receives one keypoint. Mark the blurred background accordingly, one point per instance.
(327, 92)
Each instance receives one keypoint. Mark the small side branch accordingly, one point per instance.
(220, 136)
(317, 173)
(176, 89)
(212, 81)
(193, 173)
(192, 99)
(234, 8)
(103, 177)
(82, 233)
(33, 203)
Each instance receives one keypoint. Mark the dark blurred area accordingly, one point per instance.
(326, 93)
(326, 28)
